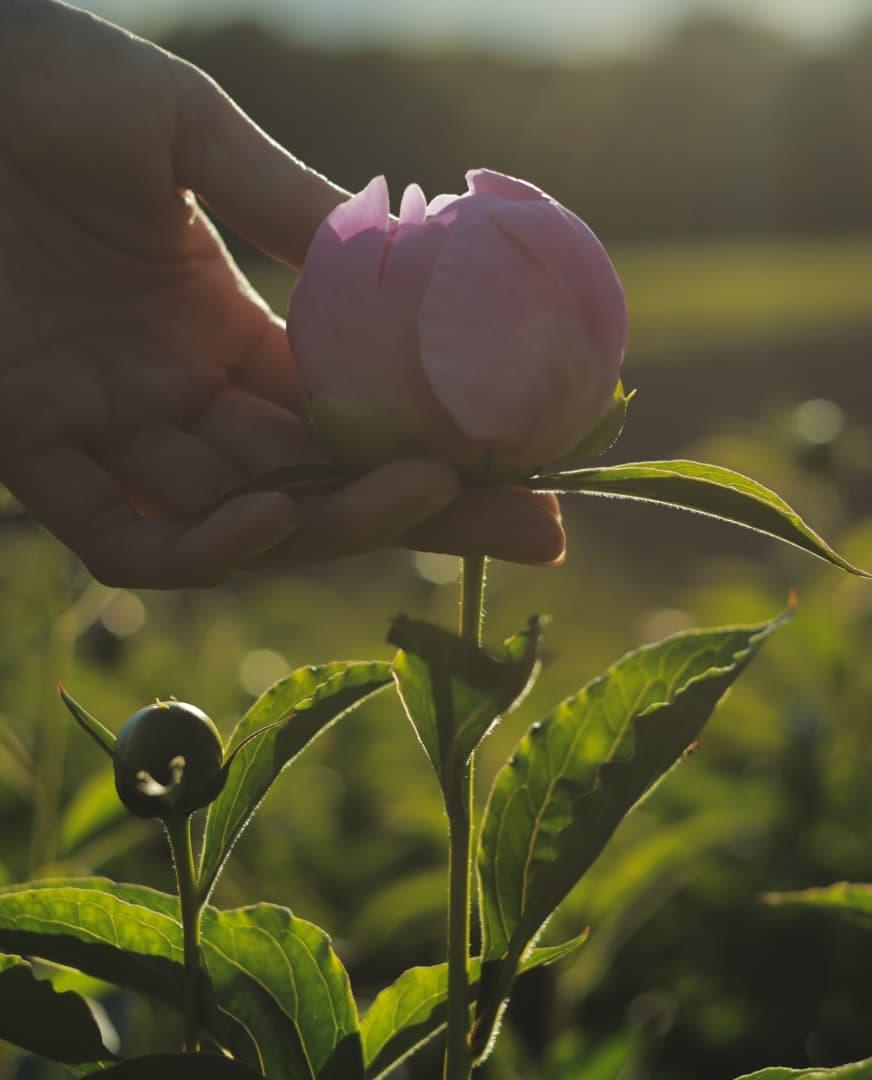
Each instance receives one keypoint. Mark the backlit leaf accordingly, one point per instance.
(277, 995)
(453, 691)
(706, 489)
(411, 1011)
(309, 700)
(575, 775)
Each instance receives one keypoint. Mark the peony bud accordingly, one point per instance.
(168, 759)
(486, 329)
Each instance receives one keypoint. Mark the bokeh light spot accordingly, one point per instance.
(123, 613)
(261, 668)
(818, 420)
(437, 569)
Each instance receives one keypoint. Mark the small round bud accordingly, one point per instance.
(168, 759)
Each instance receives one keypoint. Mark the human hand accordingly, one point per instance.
(141, 377)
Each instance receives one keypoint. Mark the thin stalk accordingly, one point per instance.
(472, 582)
(178, 828)
(458, 1058)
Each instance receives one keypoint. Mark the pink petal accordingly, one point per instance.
(488, 182)
(368, 209)
(568, 250)
(413, 208)
(334, 318)
(504, 348)
(441, 202)
(352, 321)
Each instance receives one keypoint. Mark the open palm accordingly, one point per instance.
(140, 375)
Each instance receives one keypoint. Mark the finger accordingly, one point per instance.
(370, 512)
(507, 523)
(269, 371)
(172, 472)
(548, 500)
(256, 434)
(252, 183)
(84, 507)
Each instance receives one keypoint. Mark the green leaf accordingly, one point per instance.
(309, 700)
(94, 807)
(843, 897)
(295, 963)
(101, 735)
(179, 1067)
(411, 1011)
(453, 691)
(34, 1016)
(575, 775)
(277, 995)
(706, 489)
(605, 433)
(860, 1070)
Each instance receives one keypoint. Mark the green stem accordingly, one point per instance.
(178, 828)
(458, 1059)
(472, 597)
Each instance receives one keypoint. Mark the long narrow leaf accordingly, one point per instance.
(860, 1070)
(575, 775)
(310, 700)
(843, 898)
(706, 489)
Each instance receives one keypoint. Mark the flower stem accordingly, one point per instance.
(178, 828)
(458, 1059)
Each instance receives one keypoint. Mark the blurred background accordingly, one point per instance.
(723, 152)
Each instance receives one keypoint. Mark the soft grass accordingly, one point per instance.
(701, 298)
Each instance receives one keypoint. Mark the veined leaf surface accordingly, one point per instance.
(575, 775)
(278, 997)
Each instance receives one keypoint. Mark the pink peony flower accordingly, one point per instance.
(486, 329)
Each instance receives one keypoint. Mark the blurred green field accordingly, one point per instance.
(703, 297)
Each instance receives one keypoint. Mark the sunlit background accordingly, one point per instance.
(723, 151)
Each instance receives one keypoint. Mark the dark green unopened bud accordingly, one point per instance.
(168, 759)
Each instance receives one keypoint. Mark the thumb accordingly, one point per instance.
(252, 183)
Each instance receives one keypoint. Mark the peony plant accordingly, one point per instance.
(487, 329)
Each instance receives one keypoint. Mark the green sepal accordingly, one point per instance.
(101, 735)
(355, 435)
(603, 435)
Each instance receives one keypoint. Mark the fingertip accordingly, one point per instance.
(549, 501)
(252, 524)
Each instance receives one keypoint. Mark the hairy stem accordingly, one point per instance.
(458, 1058)
(178, 828)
